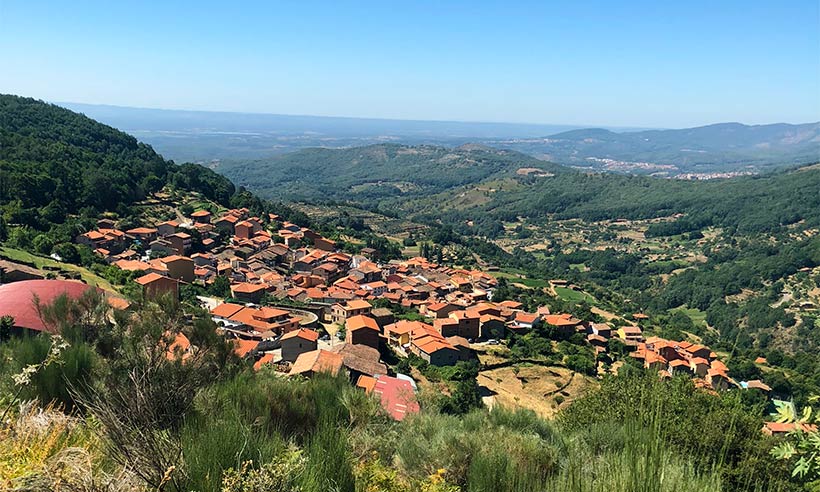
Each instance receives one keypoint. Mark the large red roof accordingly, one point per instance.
(17, 299)
(397, 396)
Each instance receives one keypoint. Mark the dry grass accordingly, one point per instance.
(534, 388)
(43, 449)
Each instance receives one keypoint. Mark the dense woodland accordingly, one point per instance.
(58, 167)
(741, 205)
(375, 172)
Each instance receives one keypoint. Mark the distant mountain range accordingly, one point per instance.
(720, 148)
(709, 151)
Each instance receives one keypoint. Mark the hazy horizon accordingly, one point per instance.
(641, 64)
(76, 104)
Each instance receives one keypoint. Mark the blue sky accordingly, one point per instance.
(640, 63)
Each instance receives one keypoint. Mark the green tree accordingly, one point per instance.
(6, 325)
(67, 252)
(221, 287)
(43, 244)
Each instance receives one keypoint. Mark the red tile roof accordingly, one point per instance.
(361, 321)
(561, 320)
(266, 359)
(317, 361)
(246, 288)
(243, 347)
(356, 304)
(226, 310)
(367, 383)
(302, 333)
(141, 231)
(149, 278)
(526, 318)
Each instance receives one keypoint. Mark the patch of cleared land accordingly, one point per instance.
(544, 390)
(697, 316)
(573, 295)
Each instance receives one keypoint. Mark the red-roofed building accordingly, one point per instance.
(367, 383)
(446, 327)
(266, 359)
(227, 223)
(132, 265)
(526, 321)
(167, 228)
(180, 347)
(201, 217)
(243, 347)
(341, 312)
(225, 311)
(439, 309)
(17, 299)
(432, 347)
(179, 267)
(181, 242)
(565, 324)
(144, 234)
(324, 244)
(783, 428)
(155, 285)
(297, 342)
(399, 333)
(248, 292)
(317, 361)
(362, 330)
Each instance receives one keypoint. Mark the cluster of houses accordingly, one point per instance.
(673, 358)
(280, 261)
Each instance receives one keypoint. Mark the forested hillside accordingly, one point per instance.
(430, 183)
(749, 204)
(54, 161)
(376, 171)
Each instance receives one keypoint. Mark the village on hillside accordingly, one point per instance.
(295, 302)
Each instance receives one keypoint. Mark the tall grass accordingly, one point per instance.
(262, 432)
(49, 385)
(636, 460)
(480, 451)
(514, 451)
(213, 444)
(329, 466)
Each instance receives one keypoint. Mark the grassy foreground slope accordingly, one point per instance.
(135, 419)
